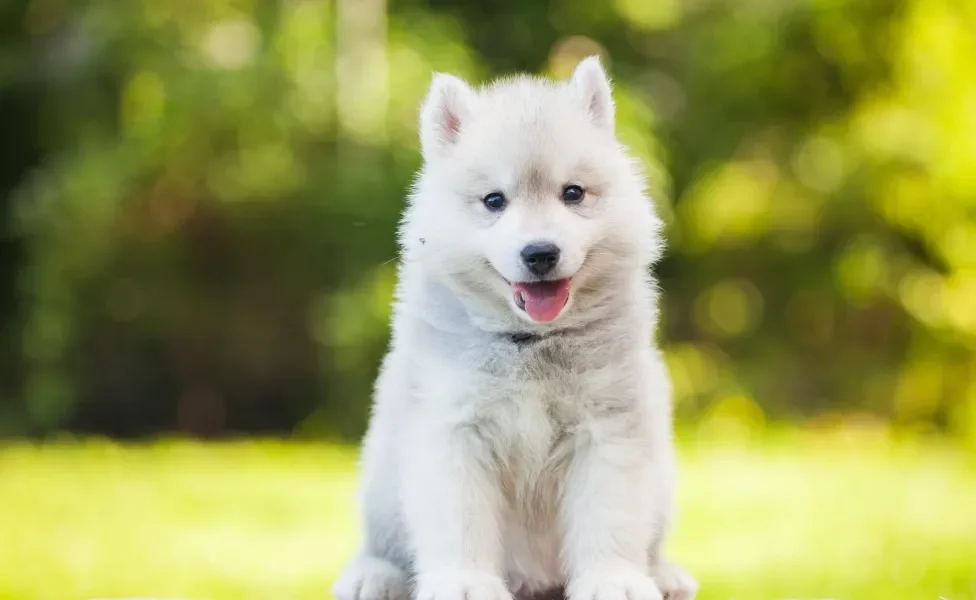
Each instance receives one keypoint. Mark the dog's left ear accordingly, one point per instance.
(590, 81)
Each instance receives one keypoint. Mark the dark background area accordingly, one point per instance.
(198, 201)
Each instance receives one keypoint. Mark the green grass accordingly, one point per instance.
(850, 518)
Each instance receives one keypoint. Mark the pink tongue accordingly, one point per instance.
(544, 300)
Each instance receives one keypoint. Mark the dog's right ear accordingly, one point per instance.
(445, 113)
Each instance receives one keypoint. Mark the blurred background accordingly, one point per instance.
(197, 209)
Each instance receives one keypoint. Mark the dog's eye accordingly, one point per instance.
(573, 194)
(494, 201)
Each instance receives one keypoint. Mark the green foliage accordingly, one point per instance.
(206, 243)
(818, 516)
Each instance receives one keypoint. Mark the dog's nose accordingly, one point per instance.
(540, 257)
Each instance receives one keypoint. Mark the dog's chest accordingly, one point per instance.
(533, 437)
(531, 431)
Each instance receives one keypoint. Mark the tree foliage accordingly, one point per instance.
(200, 200)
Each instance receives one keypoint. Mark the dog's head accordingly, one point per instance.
(526, 203)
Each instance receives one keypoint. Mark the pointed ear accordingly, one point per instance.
(445, 112)
(590, 81)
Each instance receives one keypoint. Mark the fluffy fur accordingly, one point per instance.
(506, 456)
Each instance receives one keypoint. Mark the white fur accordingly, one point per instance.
(493, 467)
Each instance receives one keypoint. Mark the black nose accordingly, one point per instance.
(540, 257)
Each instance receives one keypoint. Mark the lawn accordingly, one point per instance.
(791, 516)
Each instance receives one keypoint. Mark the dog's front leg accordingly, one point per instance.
(452, 507)
(607, 522)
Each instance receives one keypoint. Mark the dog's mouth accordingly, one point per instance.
(541, 300)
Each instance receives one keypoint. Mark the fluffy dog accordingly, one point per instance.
(521, 437)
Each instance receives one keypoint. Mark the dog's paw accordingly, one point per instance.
(370, 578)
(674, 582)
(613, 583)
(461, 585)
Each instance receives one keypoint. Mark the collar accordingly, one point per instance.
(522, 338)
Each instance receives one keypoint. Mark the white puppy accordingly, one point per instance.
(520, 438)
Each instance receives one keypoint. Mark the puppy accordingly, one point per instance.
(520, 440)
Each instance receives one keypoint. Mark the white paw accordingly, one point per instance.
(613, 583)
(461, 585)
(369, 578)
(675, 583)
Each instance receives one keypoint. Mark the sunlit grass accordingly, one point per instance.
(794, 517)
